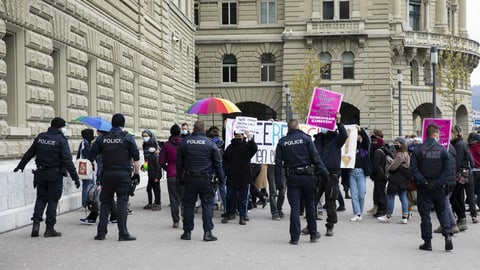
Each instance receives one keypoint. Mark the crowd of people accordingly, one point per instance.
(199, 169)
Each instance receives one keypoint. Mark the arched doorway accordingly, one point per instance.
(350, 114)
(423, 111)
(462, 118)
(253, 109)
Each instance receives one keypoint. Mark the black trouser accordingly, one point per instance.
(276, 200)
(379, 196)
(155, 186)
(114, 182)
(49, 184)
(175, 193)
(329, 186)
(457, 200)
(425, 200)
(195, 187)
(295, 194)
(470, 192)
(346, 180)
(476, 183)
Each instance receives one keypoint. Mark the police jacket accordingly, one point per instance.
(198, 154)
(117, 148)
(236, 161)
(51, 150)
(296, 150)
(329, 147)
(430, 162)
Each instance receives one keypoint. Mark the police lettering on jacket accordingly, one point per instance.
(293, 142)
(46, 142)
(195, 141)
(112, 140)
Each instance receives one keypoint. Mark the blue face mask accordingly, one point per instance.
(323, 131)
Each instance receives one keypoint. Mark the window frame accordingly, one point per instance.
(267, 67)
(230, 67)
(327, 16)
(348, 68)
(326, 66)
(227, 6)
(268, 14)
(414, 16)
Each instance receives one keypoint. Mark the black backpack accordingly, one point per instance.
(93, 197)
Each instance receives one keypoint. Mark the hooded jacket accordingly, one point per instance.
(168, 155)
(236, 162)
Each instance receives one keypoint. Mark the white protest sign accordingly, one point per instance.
(349, 149)
(243, 123)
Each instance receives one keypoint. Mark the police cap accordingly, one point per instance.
(58, 122)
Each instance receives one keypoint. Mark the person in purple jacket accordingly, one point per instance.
(168, 156)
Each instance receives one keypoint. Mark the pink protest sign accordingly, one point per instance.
(323, 108)
(445, 126)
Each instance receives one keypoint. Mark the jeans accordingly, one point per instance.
(85, 184)
(403, 199)
(231, 206)
(222, 190)
(358, 187)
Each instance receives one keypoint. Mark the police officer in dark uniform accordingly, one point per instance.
(118, 149)
(53, 159)
(298, 155)
(430, 166)
(197, 157)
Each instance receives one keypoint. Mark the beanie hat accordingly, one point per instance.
(400, 140)
(118, 120)
(58, 122)
(87, 134)
(175, 130)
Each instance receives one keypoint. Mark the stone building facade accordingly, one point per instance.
(248, 50)
(87, 57)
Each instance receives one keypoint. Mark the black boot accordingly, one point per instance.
(208, 236)
(329, 229)
(35, 228)
(448, 242)
(426, 246)
(50, 231)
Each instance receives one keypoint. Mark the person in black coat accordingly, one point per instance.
(236, 161)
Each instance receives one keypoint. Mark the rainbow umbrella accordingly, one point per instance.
(212, 105)
(96, 122)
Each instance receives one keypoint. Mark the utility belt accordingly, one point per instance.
(44, 168)
(197, 175)
(303, 170)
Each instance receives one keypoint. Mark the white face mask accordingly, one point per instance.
(184, 131)
(146, 139)
(151, 149)
(437, 139)
(63, 130)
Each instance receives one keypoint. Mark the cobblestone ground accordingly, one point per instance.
(261, 244)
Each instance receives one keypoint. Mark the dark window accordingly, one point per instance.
(348, 65)
(196, 10)
(344, 10)
(229, 68)
(328, 10)
(267, 68)
(326, 61)
(229, 13)
(197, 70)
(414, 14)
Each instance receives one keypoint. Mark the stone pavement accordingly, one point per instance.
(262, 244)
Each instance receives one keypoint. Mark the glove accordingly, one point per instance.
(17, 169)
(77, 183)
(136, 178)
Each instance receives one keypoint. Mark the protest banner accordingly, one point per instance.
(323, 108)
(445, 126)
(349, 149)
(243, 123)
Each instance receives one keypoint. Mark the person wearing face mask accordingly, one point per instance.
(53, 159)
(150, 154)
(185, 130)
(430, 167)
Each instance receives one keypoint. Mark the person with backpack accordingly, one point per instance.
(398, 181)
(379, 177)
(430, 167)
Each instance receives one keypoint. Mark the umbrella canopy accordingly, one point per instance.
(212, 105)
(96, 122)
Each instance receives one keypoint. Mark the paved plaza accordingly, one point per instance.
(261, 244)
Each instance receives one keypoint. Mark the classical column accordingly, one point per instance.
(441, 16)
(462, 18)
(427, 15)
(396, 10)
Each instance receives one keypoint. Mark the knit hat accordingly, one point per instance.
(58, 122)
(400, 140)
(175, 130)
(87, 134)
(118, 120)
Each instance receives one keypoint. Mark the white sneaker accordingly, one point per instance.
(384, 218)
(356, 218)
(403, 221)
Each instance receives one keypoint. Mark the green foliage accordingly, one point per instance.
(453, 72)
(303, 83)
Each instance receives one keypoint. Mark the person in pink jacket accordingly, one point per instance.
(168, 156)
